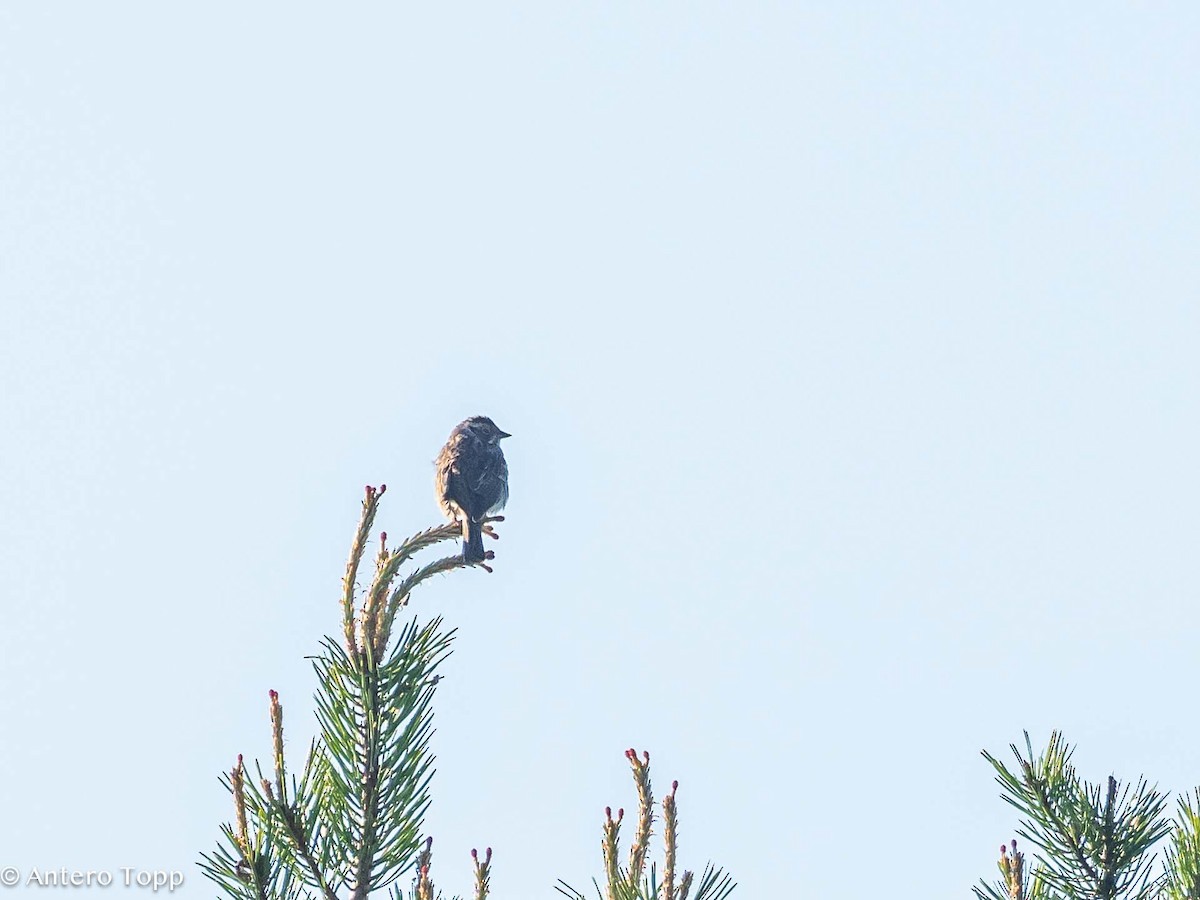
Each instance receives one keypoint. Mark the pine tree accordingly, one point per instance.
(351, 823)
(1094, 841)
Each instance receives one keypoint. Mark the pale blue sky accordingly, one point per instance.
(850, 353)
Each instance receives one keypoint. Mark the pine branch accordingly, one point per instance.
(641, 839)
(401, 594)
(483, 872)
(300, 846)
(1183, 856)
(1095, 841)
(353, 820)
(369, 781)
(357, 548)
(633, 884)
(670, 840)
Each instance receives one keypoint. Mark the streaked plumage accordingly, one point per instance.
(472, 479)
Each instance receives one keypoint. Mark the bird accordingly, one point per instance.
(472, 480)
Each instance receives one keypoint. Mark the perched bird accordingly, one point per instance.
(472, 480)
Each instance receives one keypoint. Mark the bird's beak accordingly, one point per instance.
(503, 435)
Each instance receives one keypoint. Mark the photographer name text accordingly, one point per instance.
(153, 880)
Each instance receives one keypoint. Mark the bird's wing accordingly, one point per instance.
(492, 472)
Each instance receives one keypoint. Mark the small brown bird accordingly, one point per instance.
(472, 480)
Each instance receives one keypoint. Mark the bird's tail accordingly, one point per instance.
(472, 541)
